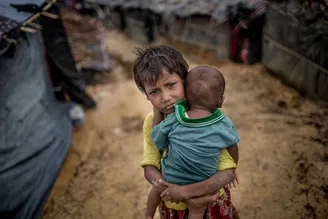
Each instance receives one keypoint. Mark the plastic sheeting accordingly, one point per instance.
(35, 131)
(184, 8)
(297, 52)
(61, 62)
(207, 23)
(10, 20)
(6, 10)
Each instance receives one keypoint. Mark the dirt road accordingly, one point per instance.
(283, 165)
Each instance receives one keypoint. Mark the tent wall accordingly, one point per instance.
(35, 131)
(198, 30)
(296, 52)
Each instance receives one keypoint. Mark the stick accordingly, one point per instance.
(37, 26)
(47, 14)
(27, 29)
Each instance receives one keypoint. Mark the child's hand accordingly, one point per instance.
(203, 200)
(173, 193)
(159, 186)
(235, 181)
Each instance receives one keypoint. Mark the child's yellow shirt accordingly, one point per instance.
(151, 156)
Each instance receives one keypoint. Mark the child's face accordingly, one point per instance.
(168, 89)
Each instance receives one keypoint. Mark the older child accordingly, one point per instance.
(194, 136)
(160, 72)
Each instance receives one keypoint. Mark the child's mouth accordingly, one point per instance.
(169, 107)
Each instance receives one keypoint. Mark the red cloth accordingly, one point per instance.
(222, 209)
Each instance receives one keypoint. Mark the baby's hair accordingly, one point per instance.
(151, 61)
(204, 87)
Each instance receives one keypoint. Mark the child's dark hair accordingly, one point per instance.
(204, 87)
(151, 61)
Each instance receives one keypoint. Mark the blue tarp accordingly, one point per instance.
(35, 131)
(6, 10)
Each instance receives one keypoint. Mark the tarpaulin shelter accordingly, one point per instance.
(296, 45)
(194, 23)
(130, 16)
(35, 129)
(202, 23)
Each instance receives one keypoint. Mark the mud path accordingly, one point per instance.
(283, 150)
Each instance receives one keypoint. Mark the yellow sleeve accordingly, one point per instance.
(151, 155)
(225, 160)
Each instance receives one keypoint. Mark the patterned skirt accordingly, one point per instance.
(221, 209)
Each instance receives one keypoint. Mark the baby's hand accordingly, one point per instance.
(173, 193)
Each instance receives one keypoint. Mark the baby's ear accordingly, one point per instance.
(221, 100)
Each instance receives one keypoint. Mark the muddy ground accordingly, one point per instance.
(283, 149)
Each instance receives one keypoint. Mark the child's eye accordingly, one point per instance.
(171, 84)
(153, 92)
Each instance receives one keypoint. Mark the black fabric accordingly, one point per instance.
(61, 62)
(254, 36)
(251, 30)
(35, 131)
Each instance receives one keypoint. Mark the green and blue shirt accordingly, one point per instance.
(193, 144)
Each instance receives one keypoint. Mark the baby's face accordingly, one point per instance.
(167, 90)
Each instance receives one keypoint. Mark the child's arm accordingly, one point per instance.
(203, 200)
(151, 157)
(224, 176)
(234, 153)
(209, 186)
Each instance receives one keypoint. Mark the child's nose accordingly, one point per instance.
(166, 96)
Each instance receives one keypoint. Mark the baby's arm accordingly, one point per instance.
(154, 198)
(232, 138)
(160, 132)
(152, 174)
(158, 117)
(234, 153)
